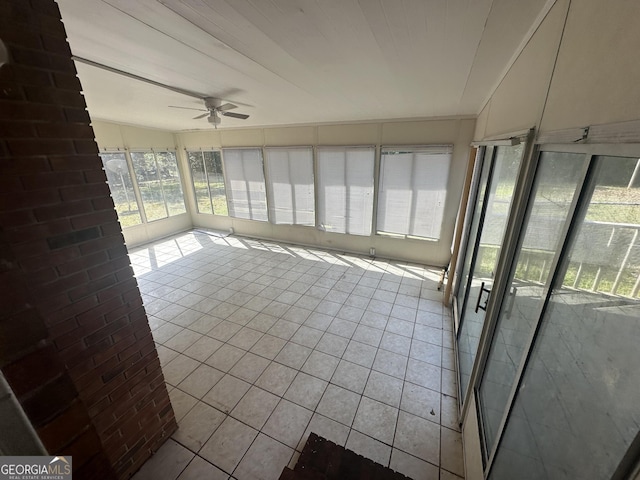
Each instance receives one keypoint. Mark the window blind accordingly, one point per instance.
(290, 185)
(245, 183)
(345, 182)
(413, 187)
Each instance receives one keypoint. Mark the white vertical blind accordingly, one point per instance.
(245, 183)
(413, 187)
(345, 183)
(290, 182)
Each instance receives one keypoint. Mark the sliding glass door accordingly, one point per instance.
(557, 182)
(496, 188)
(476, 210)
(559, 392)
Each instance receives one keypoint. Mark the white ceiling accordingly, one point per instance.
(294, 61)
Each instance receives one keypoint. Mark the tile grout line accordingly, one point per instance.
(298, 370)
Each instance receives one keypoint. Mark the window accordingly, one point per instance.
(413, 186)
(159, 182)
(246, 189)
(345, 182)
(208, 182)
(291, 191)
(119, 179)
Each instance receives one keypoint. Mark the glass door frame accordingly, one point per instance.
(489, 162)
(481, 153)
(481, 161)
(507, 274)
(506, 264)
(526, 138)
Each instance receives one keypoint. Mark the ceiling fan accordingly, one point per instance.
(213, 108)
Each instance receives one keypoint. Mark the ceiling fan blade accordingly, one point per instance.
(201, 116)
(188, 108)
(226, 106)
(235, 115)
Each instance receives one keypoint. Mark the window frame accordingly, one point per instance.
(319, 193)
(162, 189)
(134, 183)
(390, 150)
(228, 188)
(204, 166)
(269, 185)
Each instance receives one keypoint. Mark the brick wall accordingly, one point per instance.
(75, 343)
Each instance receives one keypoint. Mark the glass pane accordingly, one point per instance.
(213, 162)
(291, 195)
(556, 182)
(473, 230)
(124, 198)
(503, 181)
(468, 333)
(199, 179)
(395, 208)
(144, 166)
(430, 190)
(247, 192)
(171, 184)
(413, 187)
(302, 180)
(345, 189)
(359, 182)
(578, 408)
(505, 173)
(332, 195)
(614, 203)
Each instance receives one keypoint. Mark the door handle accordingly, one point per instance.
(482, 290)
(512, 300)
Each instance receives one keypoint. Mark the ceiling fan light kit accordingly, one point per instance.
(213, 108)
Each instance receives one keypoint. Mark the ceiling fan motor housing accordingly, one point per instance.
(211, 102)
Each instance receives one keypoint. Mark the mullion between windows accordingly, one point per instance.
(206, 176)
(414, 197)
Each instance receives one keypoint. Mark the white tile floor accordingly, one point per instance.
(262, 343)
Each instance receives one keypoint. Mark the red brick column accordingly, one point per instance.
(75, 343)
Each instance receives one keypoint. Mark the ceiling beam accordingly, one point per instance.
(137, 77)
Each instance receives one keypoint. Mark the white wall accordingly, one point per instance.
(594, 80)
(457, 131)
(111, 136)
(518, 102)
